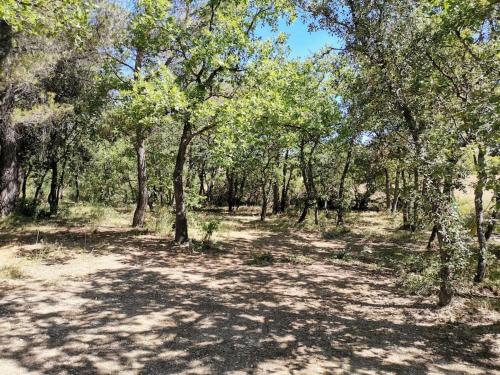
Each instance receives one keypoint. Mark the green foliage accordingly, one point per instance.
(209, 228)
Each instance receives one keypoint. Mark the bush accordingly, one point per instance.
(11, 272)
(209, 228)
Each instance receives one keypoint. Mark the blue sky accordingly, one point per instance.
(302, 43)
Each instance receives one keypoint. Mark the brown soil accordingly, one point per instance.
(130, 303)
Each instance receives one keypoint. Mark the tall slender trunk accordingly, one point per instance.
(416, 192)
(387, 190)
(9, 163)
(276, 197)
(77, 186)
(263, 211)
(26, 175)
(395, 198)
(142, 187)
(181, 224)
(493, 216)
(231, 190)
(53, 198)
(478, 203)
(284, 188)
(405, 204)
(341, 204)
(201, 176)
(445, 246)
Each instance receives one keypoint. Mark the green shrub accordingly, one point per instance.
(209, 227)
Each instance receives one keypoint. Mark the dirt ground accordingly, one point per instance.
(130, 303)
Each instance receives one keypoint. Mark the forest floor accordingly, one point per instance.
(269, 298)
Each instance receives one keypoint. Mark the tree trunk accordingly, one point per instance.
(432, 237)
(493, 217)
(142, 187)
(53, 198)
(39, 187)
(9, 164)
(263, 211)
(387, 190)
(478, 204)
(341, 208)
(415, 207)
(231, 190)
(395, 198)
(181, 224)
(26, 175)
(201, 176)
(405, 205)
(77, 187)
(276, 197)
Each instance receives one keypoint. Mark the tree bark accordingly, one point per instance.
(53, 198)
(276, 197)
(263, 211)
(479, 214)
(284, 188)
(9, 163)
(341, 208)
(142, 187)
(181, 224)
(231, 190)
(387, 190)
(395, 198)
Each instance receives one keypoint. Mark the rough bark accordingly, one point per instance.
(53, 198)
(479, 214)
(9, 163)
(142, 188)
(181, 224)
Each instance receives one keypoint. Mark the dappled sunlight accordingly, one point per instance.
(138, 305)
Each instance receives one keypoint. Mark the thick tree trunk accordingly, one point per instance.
(341, 208)
(387, 190)
(142, 187)
(479, 214)
(53, 198)
(181, 224)
(9, 163)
